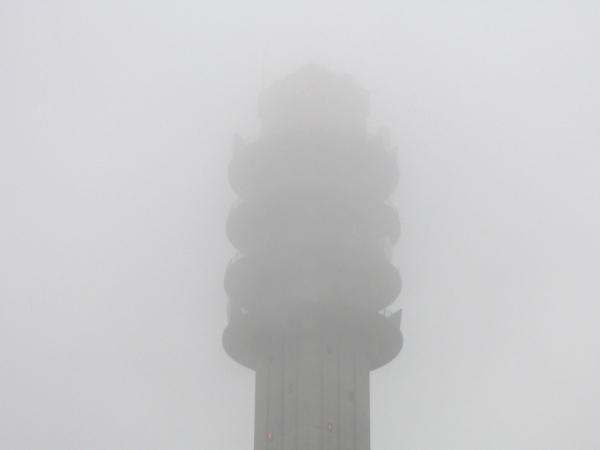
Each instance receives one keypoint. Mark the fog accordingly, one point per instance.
(115, 136)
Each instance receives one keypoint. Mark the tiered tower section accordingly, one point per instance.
(316, 233)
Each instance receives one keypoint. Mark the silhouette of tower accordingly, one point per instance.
(307, 299)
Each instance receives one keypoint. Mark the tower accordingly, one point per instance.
(308, 298)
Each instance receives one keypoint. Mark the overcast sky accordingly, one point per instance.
(116, 121)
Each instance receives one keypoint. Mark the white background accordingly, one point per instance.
(116, 121)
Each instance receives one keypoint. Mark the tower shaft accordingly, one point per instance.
(312, 388)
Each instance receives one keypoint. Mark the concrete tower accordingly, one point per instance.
(307, 299)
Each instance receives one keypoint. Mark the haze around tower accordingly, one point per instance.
(115, 137)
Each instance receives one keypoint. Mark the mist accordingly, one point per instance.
(115, 136)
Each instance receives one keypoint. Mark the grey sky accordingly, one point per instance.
(115, 128)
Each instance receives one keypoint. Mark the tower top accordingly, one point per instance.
(314, 99)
